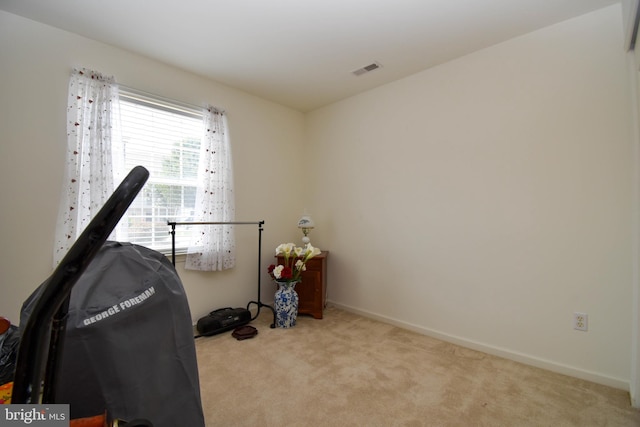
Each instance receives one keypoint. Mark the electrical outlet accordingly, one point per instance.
(580, 321)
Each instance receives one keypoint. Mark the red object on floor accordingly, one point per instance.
(97, 421)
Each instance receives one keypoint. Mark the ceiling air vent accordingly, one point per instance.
(366, 69)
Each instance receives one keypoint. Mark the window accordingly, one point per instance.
(165, 138)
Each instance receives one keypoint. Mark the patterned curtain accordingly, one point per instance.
(213, 247)
(89, 179)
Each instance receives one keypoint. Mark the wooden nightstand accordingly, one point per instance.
(312, 290)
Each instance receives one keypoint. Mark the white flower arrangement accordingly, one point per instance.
(295, 260)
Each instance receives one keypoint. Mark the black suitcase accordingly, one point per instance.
(223, 319)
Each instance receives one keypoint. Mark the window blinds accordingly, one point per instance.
(165, 138)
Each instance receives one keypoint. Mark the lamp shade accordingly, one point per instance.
(306, 222)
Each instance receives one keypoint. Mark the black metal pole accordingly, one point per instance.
(259, 303)
(56, 346)
(259, 255)
(173, 242)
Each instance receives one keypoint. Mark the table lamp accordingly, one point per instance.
(305, 223)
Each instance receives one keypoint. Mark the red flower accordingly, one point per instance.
(271, 268)
(287, 273)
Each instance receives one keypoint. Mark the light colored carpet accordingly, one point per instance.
(348, 370)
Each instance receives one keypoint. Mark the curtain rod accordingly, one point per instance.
(169, 100)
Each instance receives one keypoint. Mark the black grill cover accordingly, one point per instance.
(129, 346)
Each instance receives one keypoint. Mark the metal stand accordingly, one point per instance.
(259, 303)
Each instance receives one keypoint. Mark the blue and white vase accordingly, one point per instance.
(286, 304)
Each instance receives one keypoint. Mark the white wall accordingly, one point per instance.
(35, 64)
(634, 81)
(487, 199)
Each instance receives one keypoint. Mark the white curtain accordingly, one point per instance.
(89, 179)
(213, 246)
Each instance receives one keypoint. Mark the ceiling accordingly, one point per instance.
(301, 53)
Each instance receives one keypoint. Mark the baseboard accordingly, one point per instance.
(496, 351)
